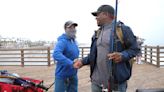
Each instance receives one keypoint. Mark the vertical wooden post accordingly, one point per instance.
(145, 53)
(22, 57)
(158, 56)
(82, 52)
(151, 50)
(48, 56)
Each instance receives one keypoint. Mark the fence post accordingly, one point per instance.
(82, 52)
(158, 56)
(151, 50)
(22, 57)
(145, 52)
(48, 56)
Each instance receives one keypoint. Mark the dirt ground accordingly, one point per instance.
(144, 76)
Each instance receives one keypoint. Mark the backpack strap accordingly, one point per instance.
(119, 33)
(120, 37)
(97, 33)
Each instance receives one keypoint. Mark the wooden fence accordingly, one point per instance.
(153, 55)
(43, 56)
(31, 56)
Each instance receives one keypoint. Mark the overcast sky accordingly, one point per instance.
(44, 19)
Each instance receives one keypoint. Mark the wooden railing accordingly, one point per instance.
(153, 55)
(43, 56)
(84, 51)
(31, 56)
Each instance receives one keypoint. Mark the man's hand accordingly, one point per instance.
(77, 63)
(115, 56)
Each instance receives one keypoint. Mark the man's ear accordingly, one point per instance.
(110, 15)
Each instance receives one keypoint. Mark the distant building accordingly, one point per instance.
(22, 43)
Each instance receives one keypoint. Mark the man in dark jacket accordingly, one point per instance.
(104, 62)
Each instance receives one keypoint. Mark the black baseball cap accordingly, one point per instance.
(104, 8)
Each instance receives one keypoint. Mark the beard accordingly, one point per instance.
(71, 33)
(99, 23)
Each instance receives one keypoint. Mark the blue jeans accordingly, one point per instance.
(121, 87)
(66, 85)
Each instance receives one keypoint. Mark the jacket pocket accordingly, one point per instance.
(123, 72)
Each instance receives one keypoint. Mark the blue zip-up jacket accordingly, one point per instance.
(65, 51)
(128, 50)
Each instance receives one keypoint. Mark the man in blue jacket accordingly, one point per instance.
(65, 52)
(101, 56)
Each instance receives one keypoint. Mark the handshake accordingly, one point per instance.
(77, 63)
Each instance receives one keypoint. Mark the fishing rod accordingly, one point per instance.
(51, 85)
(111, 85)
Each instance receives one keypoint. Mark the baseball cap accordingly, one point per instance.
(104, 8)
(70, 23)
